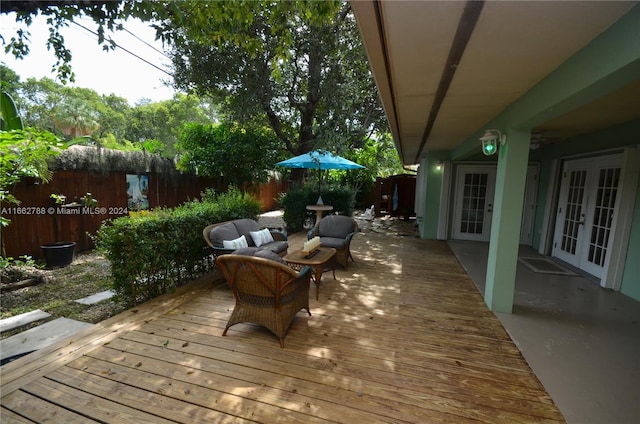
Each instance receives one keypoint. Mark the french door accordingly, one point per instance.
(475, 187)
(586, 212)
(529, 206)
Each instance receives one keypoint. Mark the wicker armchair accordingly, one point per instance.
(267, 293)
(336, 231)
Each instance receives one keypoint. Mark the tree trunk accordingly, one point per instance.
(297, 177)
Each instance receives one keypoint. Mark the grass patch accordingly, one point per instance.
(90, 273)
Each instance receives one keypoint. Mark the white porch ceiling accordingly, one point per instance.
(513, 46)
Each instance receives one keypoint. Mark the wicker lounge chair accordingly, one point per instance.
(267, 292)
(336, 231)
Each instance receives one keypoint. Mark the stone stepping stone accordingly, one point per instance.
(96, 298)
(40, 337)
(22, 319)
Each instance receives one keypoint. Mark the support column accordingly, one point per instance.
(431, 184)
(513, 159)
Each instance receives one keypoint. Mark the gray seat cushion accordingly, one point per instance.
(260, 253)
(224, 232)
(244, 227)
(276, 247)
(336, 243)
(267, 254)
(246, 251)
(336, 226)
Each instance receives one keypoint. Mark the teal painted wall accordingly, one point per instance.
(595, 143)
(617, 137)
(606, 64)
(631, 277)
(433, 186)
(544, 175)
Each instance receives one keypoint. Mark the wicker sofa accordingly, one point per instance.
(219, 237)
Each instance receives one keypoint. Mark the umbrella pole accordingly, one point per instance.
(319, 201)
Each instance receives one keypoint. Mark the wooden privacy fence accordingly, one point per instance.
(37, 219)
(34, 221)
(268, 193)
(403, 188)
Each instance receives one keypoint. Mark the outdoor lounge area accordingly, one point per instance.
(511, 293)
(402, 336)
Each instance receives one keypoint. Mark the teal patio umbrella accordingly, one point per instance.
(320, 160)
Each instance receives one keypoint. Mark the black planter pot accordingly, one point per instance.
(58, 254)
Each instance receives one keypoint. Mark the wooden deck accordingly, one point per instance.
(402, 336)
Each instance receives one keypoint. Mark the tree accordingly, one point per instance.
(24, 152)
(303, 72)
(238, 154)
(9, 80)
(65, 111)
(380, 159)
(107, 14)
(75, 117)
(37, 99)
(297, 66)
(164, 121)
(113, 116)
(73, 112)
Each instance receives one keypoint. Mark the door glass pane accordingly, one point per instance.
(473, 202)
(603, 216)
(573, 213)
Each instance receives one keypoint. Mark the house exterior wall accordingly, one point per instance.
(608, 63)
(631, 277)
(431, 184)
(608, 141)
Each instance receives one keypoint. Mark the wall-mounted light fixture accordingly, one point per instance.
(490, 141)
(439, 165)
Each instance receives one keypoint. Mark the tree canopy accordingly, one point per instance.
(24, 152)
(297, 66)
(238, 154)
(109, 121)
(306, 77)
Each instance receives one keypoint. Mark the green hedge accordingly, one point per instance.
(295, 201)
(152, 253)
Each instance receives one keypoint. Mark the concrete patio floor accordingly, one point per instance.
(582, 341)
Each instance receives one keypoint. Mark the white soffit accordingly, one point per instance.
(514, 45)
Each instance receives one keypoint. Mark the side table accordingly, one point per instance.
(319, 209)
(323, 260)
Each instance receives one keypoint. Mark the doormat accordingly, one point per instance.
(545, 266)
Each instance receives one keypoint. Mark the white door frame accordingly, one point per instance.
(484, 205)
(529, 205)
(619, 241)
(581, 215)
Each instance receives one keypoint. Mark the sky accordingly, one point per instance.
(112, 72)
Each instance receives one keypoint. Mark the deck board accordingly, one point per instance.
(403, 335)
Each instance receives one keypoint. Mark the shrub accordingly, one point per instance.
(152, 253)
(295, 202)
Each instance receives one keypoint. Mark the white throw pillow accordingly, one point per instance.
(261, 237)
(236, 243)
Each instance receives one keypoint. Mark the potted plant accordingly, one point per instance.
(61, 253)
(24, 154)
